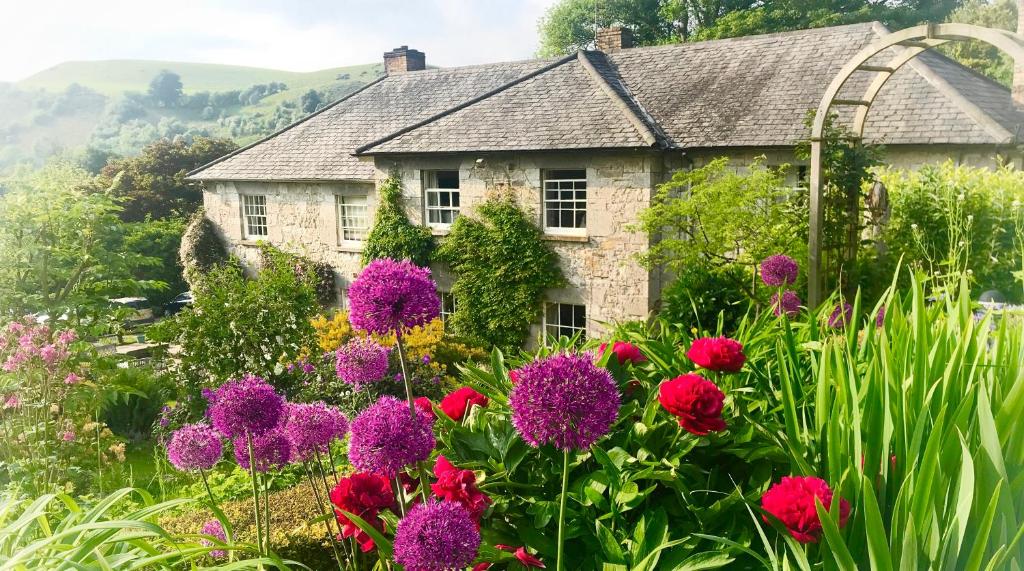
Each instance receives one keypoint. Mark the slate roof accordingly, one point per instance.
(753, 91)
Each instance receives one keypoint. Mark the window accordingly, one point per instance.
(441, 189)
(565, 201)
(352, 218)
(447, 306)
(564, 319)
(254, 216)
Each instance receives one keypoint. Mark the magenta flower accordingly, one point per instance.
(194, 447)
(385, 438)
(215, 529)
(362, 360)
(270, 450)
(311, 427)
(436, 536)
(789, 306)
(564, 400)
(249, 404)
(841, 315)
(779, 270)
(388, 296)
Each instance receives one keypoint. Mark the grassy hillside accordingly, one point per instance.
(114, 77)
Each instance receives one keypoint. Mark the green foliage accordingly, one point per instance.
(702, 295)
(502, 269)
(239, 325)
(166, 88)
(201, 249)
(133, 407)
(159, 240)
(393, 235)
(979, 56)
(319, 273)
(569, 24)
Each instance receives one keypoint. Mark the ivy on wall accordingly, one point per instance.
(502, 268)
(201, 248)
(393, 235)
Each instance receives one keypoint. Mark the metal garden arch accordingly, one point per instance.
(913, 42)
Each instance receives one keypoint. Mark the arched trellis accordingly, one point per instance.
(910, 42)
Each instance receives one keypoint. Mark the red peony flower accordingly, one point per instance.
(513, 376)
(792, 502)
(522, 555)
(425, 407)
(625, 352)
(459, 486)
(482, 566)
(696, 401)
(717, 354)
(363, 495)
(457, 403)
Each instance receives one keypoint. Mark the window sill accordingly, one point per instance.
(251, 242)
(439, 232)
(353, 248)
(578, 238)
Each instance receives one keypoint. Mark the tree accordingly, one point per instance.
(153, 184)
(570, 24)
(166, 88)
(310, 101)
(979, 56)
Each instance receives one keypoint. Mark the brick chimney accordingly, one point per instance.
(404, 60)
(617, 38)
(1018, 70)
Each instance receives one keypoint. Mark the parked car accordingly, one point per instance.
(141, 311)
(178, 303)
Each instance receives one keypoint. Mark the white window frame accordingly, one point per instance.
(353, 226)
(254, 207)
(433, 193)
(559, 328)
(447, 298)
(562, 185)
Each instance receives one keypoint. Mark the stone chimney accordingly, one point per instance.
(1018, 70)
(404, 60)
(617, 38)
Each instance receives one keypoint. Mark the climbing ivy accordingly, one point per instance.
(393, 235)
(502, 268)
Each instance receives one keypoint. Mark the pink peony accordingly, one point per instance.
(792, 502)
(717, 354)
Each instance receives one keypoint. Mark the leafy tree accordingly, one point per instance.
(980, 56)
(153, 183)
(62, 247)
(310, 101)
(393, 235)
(166, 88)
(159, 240)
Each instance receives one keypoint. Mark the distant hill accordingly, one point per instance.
(103, 106)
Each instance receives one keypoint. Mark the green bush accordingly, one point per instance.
(320, 273)
(159, 240)
(502, 268)
(201, 248)
(393, 235)
(700, 296)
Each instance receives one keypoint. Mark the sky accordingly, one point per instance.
(294, 35)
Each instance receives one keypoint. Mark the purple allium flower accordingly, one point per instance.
(880, 317)
(390, 295)
(841, 315)
(312, 427)
(386, 437)
(564, 400)
(436, 536)
(779, 270)
(213, 528)
(194, 447)
(243, 405)
(269, 450)
(790, 303)
(362, 360)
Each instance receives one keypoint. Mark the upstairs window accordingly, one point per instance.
(353, 222)
(441, 189)
(254, 216)
(565, 319)
(447, 306)
(565, 201)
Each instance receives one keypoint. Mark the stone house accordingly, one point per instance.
(582, 141)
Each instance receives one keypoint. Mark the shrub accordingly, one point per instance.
(393, 235)
(700, 296)
(502, 268)
(331, 333)
(159, 240)
(320, 273)
(201, 248)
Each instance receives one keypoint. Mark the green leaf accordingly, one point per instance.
(383, 544)
(835, 541)
(878, 548)
(609, 545)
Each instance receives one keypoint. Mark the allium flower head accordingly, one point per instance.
(213, 528)
(363, 495)
(362, 360)
(842, 314)
(270, 450)
(564, 400)
(719, 354)
(311, 427)
(249, 404)
(436, 536)
(386, 437)
(792, 502)
(880, 317)
(388, 296)
(194, 447)
(779, 270)
(695, 401)
(456, 403)
(790, 305)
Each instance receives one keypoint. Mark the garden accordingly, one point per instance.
(736, 429)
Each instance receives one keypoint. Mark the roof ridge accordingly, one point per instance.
(342, 99)
(639, 123)
(363, 148)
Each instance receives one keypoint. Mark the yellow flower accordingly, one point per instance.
(331, 333)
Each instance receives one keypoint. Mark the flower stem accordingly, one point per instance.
(266, 512)
(399, 495)
(206, 484)
(560, 566)
(330, 515)
(255, 493)
(421, 467)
